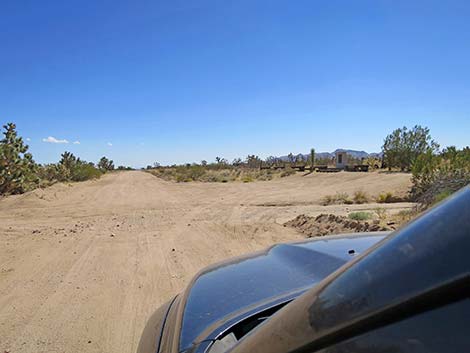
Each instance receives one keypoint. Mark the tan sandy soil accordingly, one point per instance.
(82, 266)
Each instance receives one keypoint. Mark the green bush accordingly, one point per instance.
(403, 147)
(85, 172)
(446, 172)
(360, 216)
(442, 196)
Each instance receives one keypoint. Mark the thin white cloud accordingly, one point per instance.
(76, 142)
(51, 139)
(28, 139)
(110, 144)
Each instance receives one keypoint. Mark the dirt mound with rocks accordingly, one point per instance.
(326, 224)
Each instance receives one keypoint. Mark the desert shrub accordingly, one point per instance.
(442, 196)
(338, 198)
(247, 179)
(381, 213)
(373, 162)
(47, 172)
(287, 172)
(71, 168)
(181, 178)
(328, 200)
(343, 197)
(360, 216)
(403, 146)
(389, 197)
(405, 216)
(84, 172)
(360, 197)
(385, 197)
(433, 174)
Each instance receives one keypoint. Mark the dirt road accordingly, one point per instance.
(82, 266)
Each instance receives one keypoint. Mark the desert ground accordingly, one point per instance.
(83, 265)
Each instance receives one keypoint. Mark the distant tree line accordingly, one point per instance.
(409, 150)
(19, 172)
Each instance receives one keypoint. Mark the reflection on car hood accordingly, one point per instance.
(223, 290)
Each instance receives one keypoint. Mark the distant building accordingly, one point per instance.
(341, 158)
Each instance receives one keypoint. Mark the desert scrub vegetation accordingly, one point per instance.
(336, 199)
(381, 213)
(360, 197)
(436, 176)
(360, 216)
(205, 174)
(389, 197)
(403, 147)
(220, 172)
(20, 173)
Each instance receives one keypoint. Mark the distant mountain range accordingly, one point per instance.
(329, 155)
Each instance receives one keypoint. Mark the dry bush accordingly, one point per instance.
(381, 213)
(389, 197)
(360, 197)
(405, 216)
(337, 199)
(287, 172)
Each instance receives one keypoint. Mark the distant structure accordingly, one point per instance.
(341, 158)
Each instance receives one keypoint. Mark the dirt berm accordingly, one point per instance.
(325, 224)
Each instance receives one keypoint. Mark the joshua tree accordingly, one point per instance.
(105, 164)
(17, 167)
(253, 161)
(271, 160)
(220, 160)
(291, 158)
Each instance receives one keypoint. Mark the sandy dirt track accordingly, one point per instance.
(82, 266)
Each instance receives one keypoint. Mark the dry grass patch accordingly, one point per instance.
(337, 199)
(360, 197)
(389, 197)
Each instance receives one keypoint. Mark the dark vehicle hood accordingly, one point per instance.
(417, 269)
(224, 293)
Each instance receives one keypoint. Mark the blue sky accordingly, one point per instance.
(181, 81)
